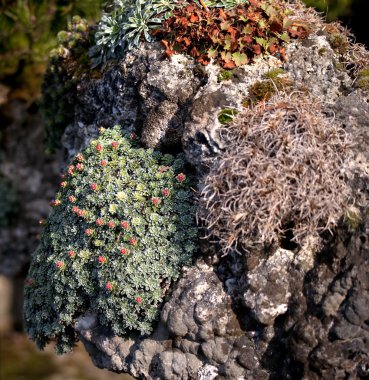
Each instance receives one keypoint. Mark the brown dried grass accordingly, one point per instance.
(282, 167)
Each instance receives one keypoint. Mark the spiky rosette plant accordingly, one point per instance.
(121, 228)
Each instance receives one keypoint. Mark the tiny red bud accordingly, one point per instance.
(80, 212)
(111, 224)
(138, 299)
(133, 241)
(80, 167)
(115, 144)
(59, 264)
(109, 286)
(155, 201)
(123, 251)
(102, 259)
(88, 232)
(55, 203)
(63, 184)
(181, 177)
(70, 169)
(125, 225)
(103, 163)
(71, 199)
(99, 147)
(165, 192)
(71, 253)
(93, 186)
(99, 222)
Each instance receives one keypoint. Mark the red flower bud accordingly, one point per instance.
(165, 192)
(111, 224)
(71, 199)
(63, 184)
(155, 201)
(124, 251)
(115, 144)
(75, 209)
(99, 147)
(103, 163)
(70, 169)
(80, 212)
(133, 241)
(55, 203)
(99, 222)
(71, 253)
(93, 186)
(138, 299)
(125, 225)
(109, 286)
(181, 177)
(102, 260)
(59, 264)
(80, 167)
(88, 232)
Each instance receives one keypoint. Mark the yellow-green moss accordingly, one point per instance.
(339, 42)
(363, 80)
(225, 75)
(274, 73)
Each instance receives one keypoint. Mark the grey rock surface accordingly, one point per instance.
(286, 312)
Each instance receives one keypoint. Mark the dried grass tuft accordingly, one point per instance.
(283, 167)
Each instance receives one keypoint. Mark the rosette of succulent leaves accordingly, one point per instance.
(128, 22)
(121, 229)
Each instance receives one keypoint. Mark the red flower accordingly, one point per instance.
(71, 198)
(80, 212)
(59, 264)
(80, 167)
(71, 253)
(102, 260)
(115, 144)
(99, 222)
(63, 184)
(124, 251)
(79, 157)
(93, 186)
(103, 163)
(55, 203)
(99, 147)
(165, 192)
(88, 232)
(155, 201)
(75, 209)
(181, 177)
(111, 224)
(138, 299)
(133, 241)
(70, 169)
(109, 286)
(125, 225)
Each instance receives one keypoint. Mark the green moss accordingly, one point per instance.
(273, 74)
(225, 75)
(363, 80)
(353, 218)
(226, 115)
(339, 42)
(121, 229)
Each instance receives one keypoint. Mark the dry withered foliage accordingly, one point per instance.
(282, 167)
(232, 37)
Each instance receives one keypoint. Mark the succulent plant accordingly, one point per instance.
(121, 228)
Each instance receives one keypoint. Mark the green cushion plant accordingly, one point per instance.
(121, 228)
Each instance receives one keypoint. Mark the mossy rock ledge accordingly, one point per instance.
(279, 286)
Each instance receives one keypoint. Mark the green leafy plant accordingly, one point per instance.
(232, 37)
(120, 231)
(68, 62)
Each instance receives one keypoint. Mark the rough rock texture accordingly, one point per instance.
(34, 177)
(285, 313)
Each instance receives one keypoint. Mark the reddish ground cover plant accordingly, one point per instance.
(232, 37)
